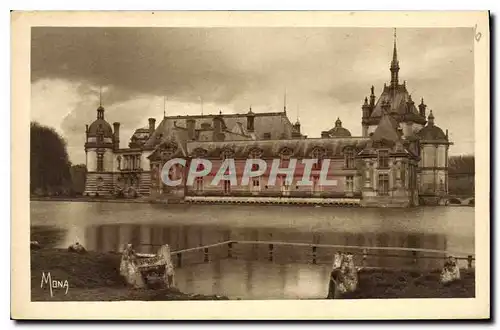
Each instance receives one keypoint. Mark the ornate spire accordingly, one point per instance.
(394, 64)
(100, 109)
(164, 106)
(284, 102)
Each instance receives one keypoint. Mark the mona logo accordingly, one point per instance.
(53, 284)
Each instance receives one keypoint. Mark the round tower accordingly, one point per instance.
(434, 147)
(99, 145)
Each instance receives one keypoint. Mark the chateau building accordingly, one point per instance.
(401, 159)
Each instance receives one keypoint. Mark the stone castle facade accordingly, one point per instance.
(401, 159)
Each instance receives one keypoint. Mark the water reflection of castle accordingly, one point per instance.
(147, 239)
(400, 159)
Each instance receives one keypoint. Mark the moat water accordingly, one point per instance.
(254, 271)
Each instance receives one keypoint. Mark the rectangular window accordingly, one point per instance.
(349, 158)
(199, 184)
(403, 174)
(285, 187)
(100, 162)
(383, 184)
(349, 183)
(256, 184)
(227, 186)
(316, 186)
(383, 159)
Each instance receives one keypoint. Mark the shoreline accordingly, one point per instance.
(182, 202)
(94, 276)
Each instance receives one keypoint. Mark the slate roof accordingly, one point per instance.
(276, 124)
(300, 148)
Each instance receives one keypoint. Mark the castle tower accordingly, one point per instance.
(434, 148)
(397, 102)
(99, 145)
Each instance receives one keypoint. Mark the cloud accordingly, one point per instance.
(326, 73)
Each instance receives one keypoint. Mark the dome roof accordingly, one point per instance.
(431, 131)
(100, 125)
(338, 130)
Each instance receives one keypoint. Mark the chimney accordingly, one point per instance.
(372, 97)
(190, 125)
(116, 135)
(87, 132)
(325, 135)
(152, 127)
(218, 135)
(250, 120)
(422, 107)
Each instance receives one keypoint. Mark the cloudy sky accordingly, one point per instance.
(326, 73)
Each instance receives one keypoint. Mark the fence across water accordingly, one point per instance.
(296, 252)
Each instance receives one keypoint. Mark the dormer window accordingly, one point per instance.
(227, 154)
(383, 158)
(317, 154)
(285, 155)
(255, 153)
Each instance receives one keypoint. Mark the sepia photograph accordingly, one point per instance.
(262, 162)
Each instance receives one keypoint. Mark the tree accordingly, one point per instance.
(49, 163)
(461, 172)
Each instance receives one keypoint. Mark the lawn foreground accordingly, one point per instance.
(95, 276)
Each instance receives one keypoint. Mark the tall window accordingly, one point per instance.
(285, 187)
(315, 187)
(199, 184)
(227, 186)
(100, 162)
(318, 155)
(349, 183)
(383, 159)
(349, 158)
(383, 184)
(403, 174)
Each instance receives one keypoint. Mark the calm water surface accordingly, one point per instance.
(249, 274)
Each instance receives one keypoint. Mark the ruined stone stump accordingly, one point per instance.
(137, 271)
(450, 271)
(344, 276)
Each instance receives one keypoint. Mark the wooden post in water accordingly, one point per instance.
(363, 262)
(314, 255)
(271, 247)
(414, 253)
(205, 255)
(469, 261)
(230, 250)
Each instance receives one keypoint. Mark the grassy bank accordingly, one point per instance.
(95, 276)
(91, 276)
